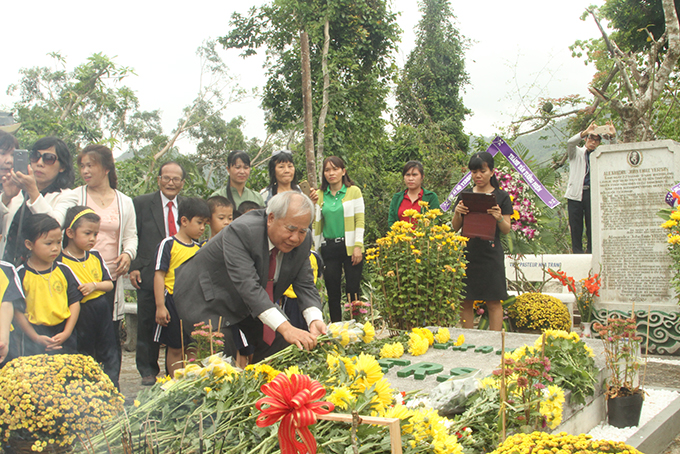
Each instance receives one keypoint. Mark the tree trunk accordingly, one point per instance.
(324, 106)
(307, 105)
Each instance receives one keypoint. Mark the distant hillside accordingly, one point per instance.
(542, 144)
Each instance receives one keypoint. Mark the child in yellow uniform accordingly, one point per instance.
(193, 214)
(95, 334)
(10, 294)
(49, 315)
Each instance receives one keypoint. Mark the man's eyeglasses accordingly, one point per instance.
(594, 137)
(167, 179)
(48, 158)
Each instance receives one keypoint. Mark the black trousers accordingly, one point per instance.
(252, 328)
(110, 298)
(146, 354)
(96, 337)
(335, 258)
(578, 213)
(29, 348)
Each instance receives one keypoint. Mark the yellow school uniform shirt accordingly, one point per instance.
(49, 293)
(91, 268)
(171, 254)
(10, 286)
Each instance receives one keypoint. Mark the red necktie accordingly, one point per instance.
(172, 225)
(268, 334)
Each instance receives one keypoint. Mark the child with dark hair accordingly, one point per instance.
(485, 274)
(193, 214)
(247, 206)
(50, 311)
(221, 213)
(95, 333)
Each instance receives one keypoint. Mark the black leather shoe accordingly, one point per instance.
(148, 381)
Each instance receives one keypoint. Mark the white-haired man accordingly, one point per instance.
(240, 272)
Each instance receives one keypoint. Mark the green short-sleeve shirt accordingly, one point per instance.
(333, 213)
(248, 196)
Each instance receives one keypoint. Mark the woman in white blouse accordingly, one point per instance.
(44, 190)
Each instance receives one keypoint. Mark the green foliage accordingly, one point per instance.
(572, 364)
(363, 35)
(632, 19)
(429, 91)
(419, 272)
(86, 105)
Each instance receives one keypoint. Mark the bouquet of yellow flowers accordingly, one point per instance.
(420, 268)
(48, 401)
(673, 232)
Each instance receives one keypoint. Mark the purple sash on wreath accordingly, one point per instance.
(669, 197)
(497, 145)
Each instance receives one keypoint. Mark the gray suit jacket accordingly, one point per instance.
(228, 276)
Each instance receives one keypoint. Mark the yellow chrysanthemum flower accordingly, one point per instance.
(443, 335)
(397, 411)
(369, 333)
(669, 224)
(292, 370)
(426, 333)
(341, 397)
(367, 369)
(395, 350)
(675, 215)
(460, 341)
(409, 213)
(417, 344)
(674, 239)
(383, 397)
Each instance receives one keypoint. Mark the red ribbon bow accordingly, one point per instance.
(291, 401)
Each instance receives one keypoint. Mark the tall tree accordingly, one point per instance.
(359, 64)
(431, 84)
(636, 82)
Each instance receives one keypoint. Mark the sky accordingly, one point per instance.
(519, 51)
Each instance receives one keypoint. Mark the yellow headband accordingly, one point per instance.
(81, 214)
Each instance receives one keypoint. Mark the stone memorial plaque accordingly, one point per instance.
(628, 185)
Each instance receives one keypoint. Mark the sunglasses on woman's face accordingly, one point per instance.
(48, 158)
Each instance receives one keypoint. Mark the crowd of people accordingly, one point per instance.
(65, 252)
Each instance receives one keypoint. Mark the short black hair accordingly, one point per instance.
(184, 172)
(248, 205)
(219, 201)
(38, 225)
(192, 207)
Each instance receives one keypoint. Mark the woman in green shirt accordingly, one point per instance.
(339, 233)
(238, 166)
(414, 193)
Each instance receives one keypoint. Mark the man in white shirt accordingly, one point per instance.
(578, 187)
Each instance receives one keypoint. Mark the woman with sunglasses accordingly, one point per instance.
(44, 190)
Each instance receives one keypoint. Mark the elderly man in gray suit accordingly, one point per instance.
(240, 272)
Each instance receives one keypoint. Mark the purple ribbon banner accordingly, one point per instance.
(497, 145)
(669, 197)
